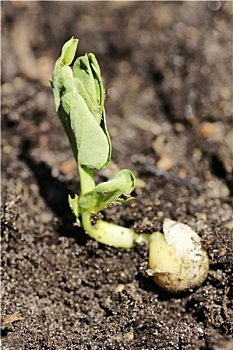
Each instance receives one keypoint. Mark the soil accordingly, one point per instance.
(167, 73)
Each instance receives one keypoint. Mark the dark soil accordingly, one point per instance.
(167, 73)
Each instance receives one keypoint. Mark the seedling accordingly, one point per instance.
(79, 102)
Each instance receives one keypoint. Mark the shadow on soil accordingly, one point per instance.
(54, 192)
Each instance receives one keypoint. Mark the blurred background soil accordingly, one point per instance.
(167, 71)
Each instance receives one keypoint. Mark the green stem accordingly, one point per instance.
(111, 234)
(87, 182)
(104, 232)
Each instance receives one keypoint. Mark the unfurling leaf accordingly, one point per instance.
(116, 189)
(79, 102)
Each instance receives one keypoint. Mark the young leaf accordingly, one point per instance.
(86, 70)
(68, 51)
(116, 189)
(91, 141)
(61, 70)
(79, 102)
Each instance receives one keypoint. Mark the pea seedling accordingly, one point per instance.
(79, 102)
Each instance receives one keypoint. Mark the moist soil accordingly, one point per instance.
(166, 68)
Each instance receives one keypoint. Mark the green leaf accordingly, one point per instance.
(61, 70)
(68, 51)
(116, 189)
(79, 102)
(91, 141)
(63, 74)
(86, 70)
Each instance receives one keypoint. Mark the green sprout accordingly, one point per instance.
(79, 102)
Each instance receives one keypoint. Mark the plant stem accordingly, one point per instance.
(111, 234)
(87, 182)
(102, 231)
